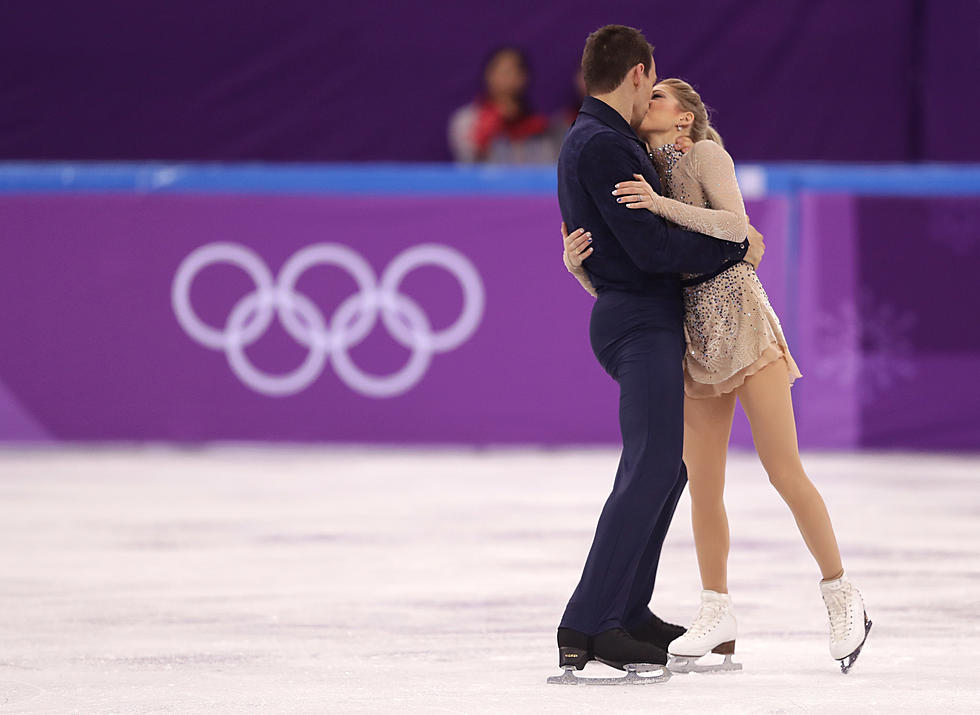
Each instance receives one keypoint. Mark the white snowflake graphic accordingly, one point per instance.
(864, 346)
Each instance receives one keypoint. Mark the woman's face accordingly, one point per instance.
(505, 75)
(664, 112)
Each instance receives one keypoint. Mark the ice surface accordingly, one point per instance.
(365, 581)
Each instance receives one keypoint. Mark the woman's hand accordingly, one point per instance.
(577, 247)
(684, 144)
(636, 194)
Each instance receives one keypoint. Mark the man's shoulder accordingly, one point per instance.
(584, 135)
(596, 137)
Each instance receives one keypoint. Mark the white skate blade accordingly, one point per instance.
(632, 676)
(689, 664)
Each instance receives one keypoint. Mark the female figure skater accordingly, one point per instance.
(735, 350)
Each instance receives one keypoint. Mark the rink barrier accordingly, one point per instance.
(756, 180)
(98, 247)
(440, 179)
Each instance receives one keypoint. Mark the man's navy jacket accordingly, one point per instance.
(634, 250)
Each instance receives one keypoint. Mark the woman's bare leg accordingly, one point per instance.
(707, 426)
(765, 397)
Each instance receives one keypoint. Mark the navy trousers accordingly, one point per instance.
(639, 341)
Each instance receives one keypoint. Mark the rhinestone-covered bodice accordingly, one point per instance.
(730, 326)
(665, 158)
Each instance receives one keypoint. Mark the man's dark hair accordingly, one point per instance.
(610, 53)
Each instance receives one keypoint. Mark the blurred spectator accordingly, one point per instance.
(563, 118)
(498, 127)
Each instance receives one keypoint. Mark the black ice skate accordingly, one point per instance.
(574, 648)
(615, 648)
(657, 631)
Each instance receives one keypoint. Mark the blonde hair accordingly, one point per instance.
(690, 101)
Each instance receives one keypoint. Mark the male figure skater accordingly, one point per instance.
(636, 331)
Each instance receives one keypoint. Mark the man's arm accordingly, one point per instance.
(650, 241)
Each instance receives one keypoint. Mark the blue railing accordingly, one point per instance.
(442, 179)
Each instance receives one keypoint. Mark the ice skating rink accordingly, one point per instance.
(365, 581)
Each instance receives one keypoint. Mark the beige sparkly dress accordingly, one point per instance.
(731, 329)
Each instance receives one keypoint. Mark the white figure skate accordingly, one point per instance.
(713, 631)
(849, 624)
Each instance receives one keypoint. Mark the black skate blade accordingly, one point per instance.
(846, 663)
(632, 676)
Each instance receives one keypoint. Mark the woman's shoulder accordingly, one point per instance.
(711, 155)
(708, 148)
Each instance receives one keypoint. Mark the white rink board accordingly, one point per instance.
(239, 579)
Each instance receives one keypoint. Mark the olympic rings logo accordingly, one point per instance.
(351, 323)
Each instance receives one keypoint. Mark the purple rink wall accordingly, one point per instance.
(425, 305)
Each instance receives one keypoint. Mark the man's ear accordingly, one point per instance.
(638, 74)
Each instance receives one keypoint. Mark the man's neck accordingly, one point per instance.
(619, 101)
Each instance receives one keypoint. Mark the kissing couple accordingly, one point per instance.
(683, 324)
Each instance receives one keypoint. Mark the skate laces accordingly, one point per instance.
(708, 616)
(836, 602)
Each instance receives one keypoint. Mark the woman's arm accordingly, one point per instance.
(577, 249)
(716, 174)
